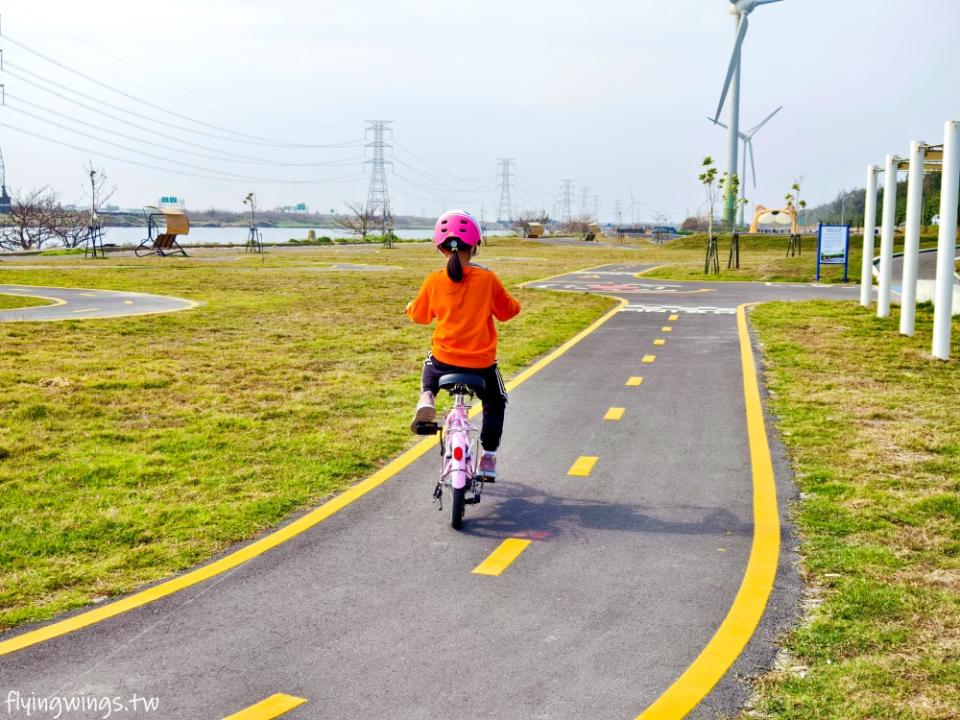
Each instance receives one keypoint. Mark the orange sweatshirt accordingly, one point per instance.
(464, 311)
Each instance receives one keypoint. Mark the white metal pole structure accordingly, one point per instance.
(741, 10)
(946, 242)
(886, 235)
(869, 241)
(911, 240)
(733, 126)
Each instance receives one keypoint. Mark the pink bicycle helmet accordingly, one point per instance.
(457, 224)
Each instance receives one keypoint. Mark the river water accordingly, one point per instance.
(238, 235)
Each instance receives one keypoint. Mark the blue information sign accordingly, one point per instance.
(833, 247)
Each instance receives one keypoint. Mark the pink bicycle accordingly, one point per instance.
(459, 447)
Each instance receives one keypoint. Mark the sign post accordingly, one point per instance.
(833, 247)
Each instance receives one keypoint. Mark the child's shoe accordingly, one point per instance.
(426, 411)
(488, 467)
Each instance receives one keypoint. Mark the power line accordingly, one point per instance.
(352, 143)
(441, 170)
(99, 153)
(152, 131)
(147, 103)
(142, 152)
(179, 89)
(252, 161)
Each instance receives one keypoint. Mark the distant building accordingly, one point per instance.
(4, 200)
(171, 201)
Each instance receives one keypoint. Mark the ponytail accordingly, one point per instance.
(454, 268)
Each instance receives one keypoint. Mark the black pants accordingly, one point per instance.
(493, 396)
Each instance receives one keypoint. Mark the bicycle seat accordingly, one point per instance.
(469, 382)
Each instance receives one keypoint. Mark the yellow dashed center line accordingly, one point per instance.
(614, 413)
(634, 381)
(583, 466)
(659, 341)
(673, 318)
(87, 310)
(273, 706)
(649, 358)
(128, 302)
(500, 559)
(88, 294)
(666, 328)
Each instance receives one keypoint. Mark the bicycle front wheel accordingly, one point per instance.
(459, 500)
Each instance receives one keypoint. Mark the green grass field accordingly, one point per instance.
(132, 448)
(872, 426)
(11, 302)
(763, 258)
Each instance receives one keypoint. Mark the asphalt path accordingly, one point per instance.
(87, 304)
(926, 265)
(375, 611)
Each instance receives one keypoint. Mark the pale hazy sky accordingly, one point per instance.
(613, 94)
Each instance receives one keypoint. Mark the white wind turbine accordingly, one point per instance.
(741, 9)
(635, 207)
(747, 138)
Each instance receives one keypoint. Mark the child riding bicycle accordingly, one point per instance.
(464, 299)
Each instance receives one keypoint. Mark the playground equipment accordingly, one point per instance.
(783, 216)
(923, 158)
(174, 222)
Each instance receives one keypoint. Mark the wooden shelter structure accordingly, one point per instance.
(173, 222)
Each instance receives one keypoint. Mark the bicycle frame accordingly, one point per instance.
(459, 445)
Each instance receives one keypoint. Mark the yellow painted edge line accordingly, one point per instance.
(53, 300)
(277, 537)
(673, 318)
(583, 466)
(649, 270)
(569, 272)
(757, 584)
(649, 358)
(501, 558)
(543, 362)
(82, 310)
(659, 341)
(271, 707)
(634, 381)
(614, 413)
(191, 304)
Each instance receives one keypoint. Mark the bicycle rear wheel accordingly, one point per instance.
(459, 500)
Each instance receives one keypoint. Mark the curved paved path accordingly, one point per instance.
(80, 304)
(374, 612)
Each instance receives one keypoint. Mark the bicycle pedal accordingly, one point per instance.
(427, 428)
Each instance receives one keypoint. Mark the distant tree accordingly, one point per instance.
(694, 224)
(357, 221)
(37, 217)
(708, 177)
(578, 225)
(522, 223)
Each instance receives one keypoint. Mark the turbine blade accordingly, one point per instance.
(767, 2)
(717, 122)
(763, 122)
(753, 166)
(734, 63)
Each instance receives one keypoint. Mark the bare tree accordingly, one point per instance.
(357, 221)
(38, 218)
(578, 225)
